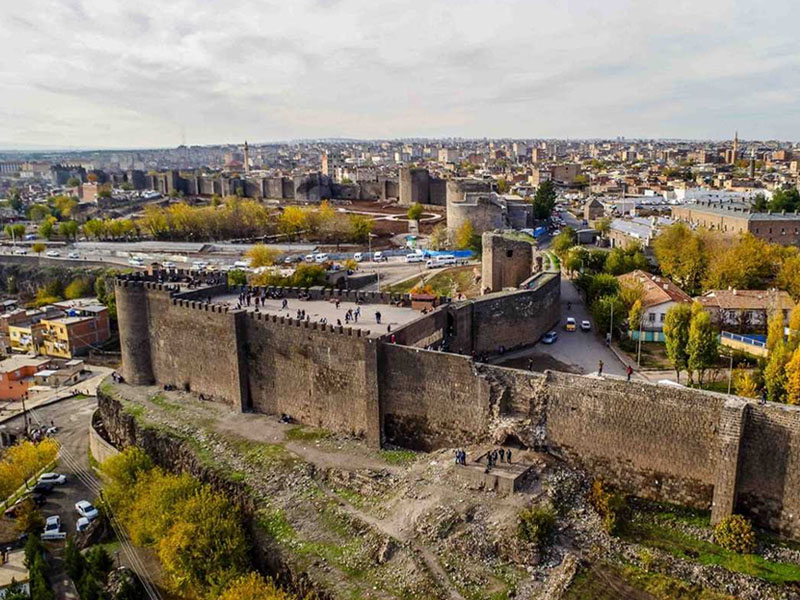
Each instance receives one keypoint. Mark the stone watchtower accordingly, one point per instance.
(505, 263)
(134, 332)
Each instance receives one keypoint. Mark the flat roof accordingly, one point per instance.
(20, 360)
(14, 569)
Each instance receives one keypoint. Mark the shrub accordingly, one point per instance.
(609, 504)
(735, 533)
(536, 525)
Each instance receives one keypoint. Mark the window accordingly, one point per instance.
(770, 230)
(663, 317)
(509, 253)
(651, 317)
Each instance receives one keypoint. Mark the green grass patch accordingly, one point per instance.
(260, 454)
(161, 401)
(398, 457)
(134, 410)
(307, 434)
(275, 524)
(603, 582)
(684, 546)
(667, 512)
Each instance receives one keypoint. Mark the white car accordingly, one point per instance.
(586, 326)
(52, 529)
(379, 257)
(74, 255)
(20, 251)
(53, 253)
(321, 257)
(168, 264)
(86, 509)
(358, 256)
(135, 262)
(309, 258)
(53, 478)
(82, 524)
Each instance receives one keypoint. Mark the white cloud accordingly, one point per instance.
(114, 73)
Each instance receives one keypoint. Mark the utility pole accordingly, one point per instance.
(639, 351)
(730, 374)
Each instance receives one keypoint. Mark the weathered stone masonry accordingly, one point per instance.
(698, 448)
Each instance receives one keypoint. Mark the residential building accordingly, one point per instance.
(736, 218)
(82, 328)
(593, 209)
(659, 294)
(745, 311)
(17, 375)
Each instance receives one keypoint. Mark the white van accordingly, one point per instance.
(135, 261)
(321, 257)
(379, 257)
(441, 261)
(241, 264)
(358, 256)
(415, 258)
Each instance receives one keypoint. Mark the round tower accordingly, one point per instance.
(134, 334)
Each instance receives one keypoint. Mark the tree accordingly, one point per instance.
(603, 284)
(74, 562)
(262, 255)
(635, 315)
(78, 288)
(38, 212)
(602, 309)
(683, 256)
(293, 220)
(29, 519)
(676, 336)
(237, 277)
(793, 378)
(360, 228)
(564, 240)
(703, 347)
(94, 228)
(775, 373)
(73, 182)
(306, 276)
(253, 587)
(788, 277)
(15, 232)
(47, 228)
(69, 229)
(414, 211)
(794, 328)
(544, 201)
(625, 260)
(464, 234)
(744, 384)
(603, 225)
(438, 237)
(38, 248)
(749, 263)
(502, 186)
(774, 330)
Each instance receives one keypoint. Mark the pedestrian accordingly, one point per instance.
(378, 318)
(337, 304)
(502, 454)
(347, 318)
(629, 372)
(599, 368)
(389, 328)
(458, 456)
(508, 456)
(393, 339)
(338, 322)
(763, 396)
(284, 303)
(530, 365)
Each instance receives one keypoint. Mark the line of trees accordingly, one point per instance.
(197, 533)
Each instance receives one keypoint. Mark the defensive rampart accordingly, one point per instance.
(424, 391)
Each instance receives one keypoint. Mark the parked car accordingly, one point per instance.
(571, 325)
(20, 251)
(42, 488)
(358, 256)
(320, 257)
(54, 478)
(52, 529)
(73, 255)
(586, 325)
(550, 337)
(82, 524)
(309, 258)
(86, 509)
(135, 262)
(415, 258)
(53, 253)
(168, 264)
(379, 257)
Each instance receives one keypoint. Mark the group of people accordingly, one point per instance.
(117, 378)
(461, 457)
(492, 457)
(351, 315)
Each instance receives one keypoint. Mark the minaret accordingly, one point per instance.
(735, 152)
(246, 158)
(325, 163)
(752, 164)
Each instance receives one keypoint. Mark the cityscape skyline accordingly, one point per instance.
(106, 75)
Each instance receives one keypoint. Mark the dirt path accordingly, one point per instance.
(388, 529)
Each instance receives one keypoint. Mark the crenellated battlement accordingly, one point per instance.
(201, 305)
(310, 325)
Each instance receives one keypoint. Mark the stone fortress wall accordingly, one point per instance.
(662, 442)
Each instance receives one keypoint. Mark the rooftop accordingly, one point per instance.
(14, 569)
(747, 299)
(657, 290)
(19, 361)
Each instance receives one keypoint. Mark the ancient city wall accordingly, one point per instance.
(323, 376)
(656, 441)
(431, 399)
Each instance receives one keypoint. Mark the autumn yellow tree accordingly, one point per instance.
(793, 378)
(23, 461)
(293, 220)
(774, 330)
(744, 384)
(253, 587)
(262, 255)
(464, 235)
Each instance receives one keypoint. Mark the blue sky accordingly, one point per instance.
(110, 73)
